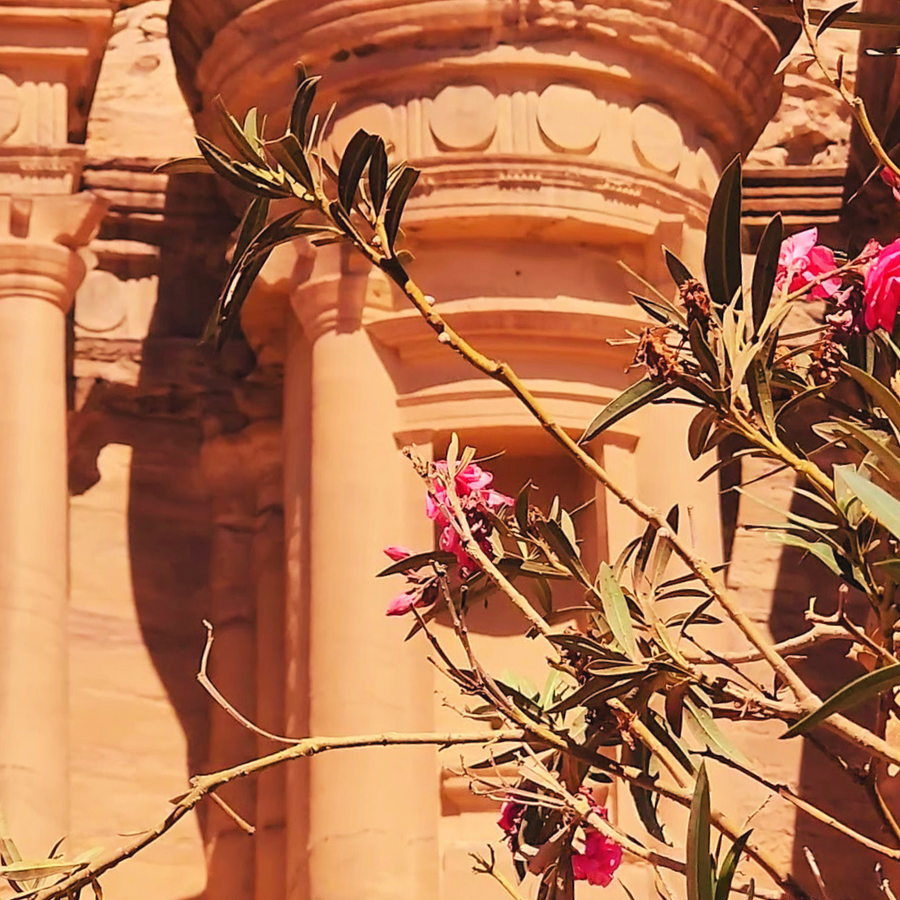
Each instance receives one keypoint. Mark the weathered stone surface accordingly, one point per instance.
(812, 125)
(138, 109)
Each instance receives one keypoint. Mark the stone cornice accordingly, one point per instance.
(689, 49)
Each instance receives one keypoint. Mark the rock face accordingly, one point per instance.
(256, 489)
(812, 125)
(138, 110)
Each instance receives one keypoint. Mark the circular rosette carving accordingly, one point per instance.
(657, 138)
(463, 117)
(570, 118)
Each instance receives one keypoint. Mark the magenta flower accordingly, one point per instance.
(477, 498)
(892, 181)
(397, 553)
(511, 813)
(882, 288)
(599, 861)
(801, 261)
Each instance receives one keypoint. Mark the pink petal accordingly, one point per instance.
(400, 605)
(397, 553)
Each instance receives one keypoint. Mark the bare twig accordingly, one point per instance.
(242, 823)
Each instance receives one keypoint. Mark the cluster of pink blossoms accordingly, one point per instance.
(598, 862)
(479, 501)
(802, 261)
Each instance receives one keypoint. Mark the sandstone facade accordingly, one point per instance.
(256, 489)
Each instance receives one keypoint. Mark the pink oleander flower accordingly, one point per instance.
(892, 181)
(421, 585)
(882, 288)
(801, 261)
(511, 813)
(599, 861)
(397, 553)
(477, 498)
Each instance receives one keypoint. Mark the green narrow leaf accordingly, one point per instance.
(186, 164)
(761, 394)
(869, 685)
(880, 393)
(238, 174)
(521, 507)
(883, 507)
(729, 865)
(300, 108)
(615, 608)
(833, 15)
(819, 549)
(356, 155)
(236, 135)
(702, 352)
(708, 732)
(632, 398)
(645, 801)
(677, 269)
(656, 310)
(253, 222)
(722, 257)
(289, 154)
(397, 198)
(698, 873)
(378, 175)
(765, 268)
(699, 430)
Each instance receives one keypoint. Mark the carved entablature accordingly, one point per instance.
(50, 55)
(606, 116)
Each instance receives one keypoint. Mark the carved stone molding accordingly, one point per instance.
(709, 60)
(41, 245)
(50, 55)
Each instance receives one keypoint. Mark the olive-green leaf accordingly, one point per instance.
(880, 393)
(722, 256)
(615, 608)
(833, 15)
(186, 164)
(397, 198)
(869, 685)
(765, 269)
(378, 175)
(300, 108)
(632, 398)
(699, 430)
(677, 269)
(698, 873)
(883, 507)
(288, 151)
(729, 867)
(705, 729)
(356, 155)
(702, 352)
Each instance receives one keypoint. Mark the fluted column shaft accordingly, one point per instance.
(37, 284)
(373, 813)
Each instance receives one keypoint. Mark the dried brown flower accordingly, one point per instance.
(657, 356)
(827, 357)
(696, 302)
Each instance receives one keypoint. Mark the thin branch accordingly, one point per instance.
(213, 692)
(202, 785)
(242, 823)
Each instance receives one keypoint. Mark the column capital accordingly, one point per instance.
(42, 241)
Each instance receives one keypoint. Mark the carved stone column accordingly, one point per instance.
(554, 139)
(40, 268)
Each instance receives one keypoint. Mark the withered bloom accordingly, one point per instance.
(696, 302)
(826, 360)
(657, 356)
